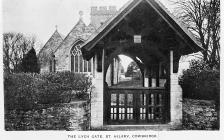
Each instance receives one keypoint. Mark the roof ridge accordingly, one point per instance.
(57, 35)
(61, 35)
(80, 21)
(74, 27)
(48, 41)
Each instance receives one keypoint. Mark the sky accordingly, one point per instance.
(39, 17)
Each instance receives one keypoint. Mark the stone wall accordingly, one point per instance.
(72, 116)
(101, 15)
(176, 100)
(96, 120)
(45, 54)
(44, 69)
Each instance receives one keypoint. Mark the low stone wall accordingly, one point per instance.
(199, 115)
(71, 116)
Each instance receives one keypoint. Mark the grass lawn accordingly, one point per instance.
(129, 83)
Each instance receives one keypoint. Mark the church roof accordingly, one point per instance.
(127, 8)
(78, 32)
(51, 45)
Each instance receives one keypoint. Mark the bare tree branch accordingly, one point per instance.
(202, 17)
(15, 46)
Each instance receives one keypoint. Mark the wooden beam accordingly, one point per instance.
(171, 61)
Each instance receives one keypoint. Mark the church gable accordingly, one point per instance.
(51, 45)
(63, 51)
(79, 32)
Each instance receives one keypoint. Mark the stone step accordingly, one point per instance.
(157, 127)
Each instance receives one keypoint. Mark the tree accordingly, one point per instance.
(30, 62)
(15, 46)
(133, 70)
(202, 17)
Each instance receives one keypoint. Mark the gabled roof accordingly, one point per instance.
(51, 45)
(77, 32)
(127, 8)
(53, 42)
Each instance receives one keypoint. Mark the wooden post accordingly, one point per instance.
(171, 61)
(157, 75)
(103, 60)
(112, 73)
(150, 77)
(143, 78)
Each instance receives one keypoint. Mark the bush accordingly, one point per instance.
(18, 90)
(200, 82)
(68, 80)
(26, 91)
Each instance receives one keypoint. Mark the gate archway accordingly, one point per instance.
(136, 105)
(143, 29)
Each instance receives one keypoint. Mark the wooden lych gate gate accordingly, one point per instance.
(136, 105)
(145, 31)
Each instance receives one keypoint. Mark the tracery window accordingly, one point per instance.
(78, 64)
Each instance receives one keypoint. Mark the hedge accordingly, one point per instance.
(27, 91)
(200, 82)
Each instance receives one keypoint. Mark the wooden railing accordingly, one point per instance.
(135, 105)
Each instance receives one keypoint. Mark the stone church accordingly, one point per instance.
(62, 53)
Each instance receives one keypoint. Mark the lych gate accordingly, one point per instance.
(145, 31)
(137, 105)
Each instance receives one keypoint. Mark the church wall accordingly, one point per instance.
(62, 63)
(44, 69)
(62, 55)
(47, 51)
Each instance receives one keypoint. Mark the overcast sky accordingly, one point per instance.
(39, 17)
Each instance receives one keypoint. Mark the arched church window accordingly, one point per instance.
(78, 64)
(52, 66)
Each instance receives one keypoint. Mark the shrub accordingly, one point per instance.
(25, 90)
(69, 80)
(19, 91)
(200, 82)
